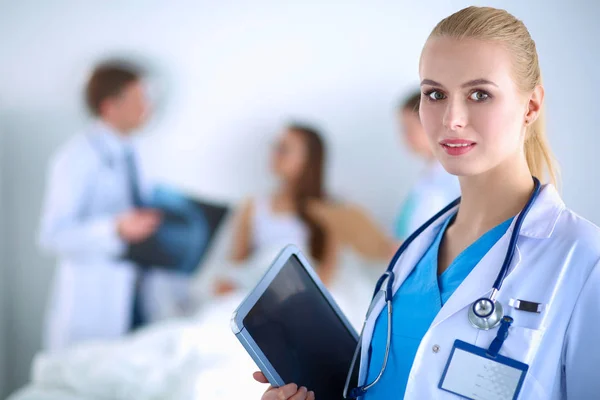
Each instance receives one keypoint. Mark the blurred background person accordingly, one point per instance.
(266, 224)
(93, 210)
(433, 190)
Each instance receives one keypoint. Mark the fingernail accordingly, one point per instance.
(303, 389)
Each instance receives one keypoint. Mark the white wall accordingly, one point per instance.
(31, 138)
(233, 72)
(3, 268)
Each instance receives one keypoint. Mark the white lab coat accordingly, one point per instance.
(93, 287)
(557, 263)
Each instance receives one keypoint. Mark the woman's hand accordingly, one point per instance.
(287, 392)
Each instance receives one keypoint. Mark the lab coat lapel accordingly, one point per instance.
(405, 264)
(539, 224)
(479, 282)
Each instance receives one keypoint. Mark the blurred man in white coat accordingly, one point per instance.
(92, 211)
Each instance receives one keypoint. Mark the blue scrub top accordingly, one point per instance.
(415, 306)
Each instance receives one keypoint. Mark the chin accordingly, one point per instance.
(460, 167)
(134, 128)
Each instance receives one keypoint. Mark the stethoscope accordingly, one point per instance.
(485, 313)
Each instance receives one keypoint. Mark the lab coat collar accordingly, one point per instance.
(539, 223)
(541, 219)
(113, 143)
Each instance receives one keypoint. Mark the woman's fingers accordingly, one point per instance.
(301, 394)
(287, 392)
(282, 393)
(260, 377)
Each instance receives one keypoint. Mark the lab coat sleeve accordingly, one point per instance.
(64, 230)
(582, 354)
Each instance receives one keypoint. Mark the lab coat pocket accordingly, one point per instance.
(521, 344)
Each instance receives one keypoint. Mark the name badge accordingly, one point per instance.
(480, 374)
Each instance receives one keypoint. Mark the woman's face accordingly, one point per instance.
(289, 156)
(471, 109)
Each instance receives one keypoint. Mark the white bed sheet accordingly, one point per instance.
(188, 358)
(33, 393)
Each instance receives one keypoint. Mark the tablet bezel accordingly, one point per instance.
(237, 319)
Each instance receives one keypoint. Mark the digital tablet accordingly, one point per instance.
(293, 329)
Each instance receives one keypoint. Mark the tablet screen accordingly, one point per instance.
(300, 334)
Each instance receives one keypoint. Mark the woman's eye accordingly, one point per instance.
(479, 96)
(436, 95)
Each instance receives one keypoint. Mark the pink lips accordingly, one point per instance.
(457, 147)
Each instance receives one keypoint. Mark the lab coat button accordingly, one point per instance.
(435, 348)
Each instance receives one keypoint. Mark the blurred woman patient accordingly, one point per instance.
(268, 223)
(433, 189)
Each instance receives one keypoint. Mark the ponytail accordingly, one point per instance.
(537, 152)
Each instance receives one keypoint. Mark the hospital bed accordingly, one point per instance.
(188, 357)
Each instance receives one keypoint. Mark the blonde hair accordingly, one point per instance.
(490, 24)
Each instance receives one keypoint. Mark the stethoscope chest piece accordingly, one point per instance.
(485, 314)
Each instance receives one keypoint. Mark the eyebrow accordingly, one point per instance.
(474, 82)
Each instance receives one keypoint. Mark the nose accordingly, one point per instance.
(455, 115)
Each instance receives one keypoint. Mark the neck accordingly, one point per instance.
(493, 197)
(115, 127)
(287, 190)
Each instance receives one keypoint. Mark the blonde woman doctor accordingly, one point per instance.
(456, 326)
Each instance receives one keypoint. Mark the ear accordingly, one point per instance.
(534, 105)
(105, 107)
